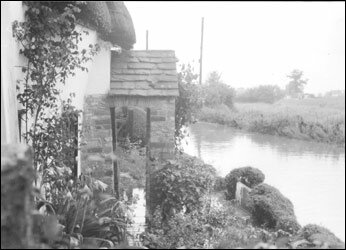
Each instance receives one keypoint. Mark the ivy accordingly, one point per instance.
(50, 43)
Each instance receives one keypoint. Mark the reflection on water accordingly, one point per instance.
(311, 174)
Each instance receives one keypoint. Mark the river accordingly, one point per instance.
(311, 175)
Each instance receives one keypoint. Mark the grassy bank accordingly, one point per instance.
(320, 120)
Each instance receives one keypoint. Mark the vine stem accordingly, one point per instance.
(34, 139)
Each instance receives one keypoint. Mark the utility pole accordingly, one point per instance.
(146, 40)
(201, 53)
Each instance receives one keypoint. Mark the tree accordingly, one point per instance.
(262, 93)
(295, 87)
(216, 92)
(214, 78)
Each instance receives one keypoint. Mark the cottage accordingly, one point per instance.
(117, 78)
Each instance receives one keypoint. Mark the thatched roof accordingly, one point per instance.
(123, 31)
(111, 19)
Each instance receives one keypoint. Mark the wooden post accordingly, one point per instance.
(116, 174)
(147, 40)
(125, 127)
(201, 55)
(130, 123)
(147, 171)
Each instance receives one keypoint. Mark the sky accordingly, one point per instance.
(250, 43)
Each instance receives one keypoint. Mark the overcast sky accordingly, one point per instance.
(251, 43)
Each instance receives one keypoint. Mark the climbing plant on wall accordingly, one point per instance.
(50, 43)
(188, 101)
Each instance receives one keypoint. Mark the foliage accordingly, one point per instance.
(321, 120)
(192, 97)
(180, 185)
(187, 103)
(220, 184)
(262, 93)
(216, 92)
(247, 175)
(312, 232)
(72, 212)
(83, 215)
(271, 209)
(212, 225)
(197, 229)
(296, 84)
(49, 42)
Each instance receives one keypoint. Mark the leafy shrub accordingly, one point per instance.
(198, 229)
(187, 103)
(220, 184)
(81, 215)
(249, 176)
(180, 185)
(312, 232)
(271, 209)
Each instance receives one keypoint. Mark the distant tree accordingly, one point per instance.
(335, 93)
(262, 93)
(216, 92)
(295, 87)
(214, 78)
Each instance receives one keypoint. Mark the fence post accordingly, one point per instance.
(130, 123)
(116, 174)
(147, 170)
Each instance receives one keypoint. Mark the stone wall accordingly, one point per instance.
(162, 111)
(97, 131)
(96, 149)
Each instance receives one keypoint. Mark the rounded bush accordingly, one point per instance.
(269, 208)
(249, 176)
(181, 184)
(312, 232)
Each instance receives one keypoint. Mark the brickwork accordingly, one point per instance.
(96, 147)
(97, 130)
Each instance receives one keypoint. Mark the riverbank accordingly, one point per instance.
(218, 223)
(322, 121)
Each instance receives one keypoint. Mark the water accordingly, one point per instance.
(311, 175)
(138, 217)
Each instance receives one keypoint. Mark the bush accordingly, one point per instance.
(269, 208)
(262, 93)
(202, 228)
(250, 177)
(181, 184)
(220, 184)
(313, 233)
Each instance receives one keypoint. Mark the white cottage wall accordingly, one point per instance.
(96, 81)
(10, 70)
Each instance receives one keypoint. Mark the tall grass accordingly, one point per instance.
(321, 120)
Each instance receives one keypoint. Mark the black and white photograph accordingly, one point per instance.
(172, 124)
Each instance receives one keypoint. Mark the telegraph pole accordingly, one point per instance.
(147, 40)
(201, 53)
